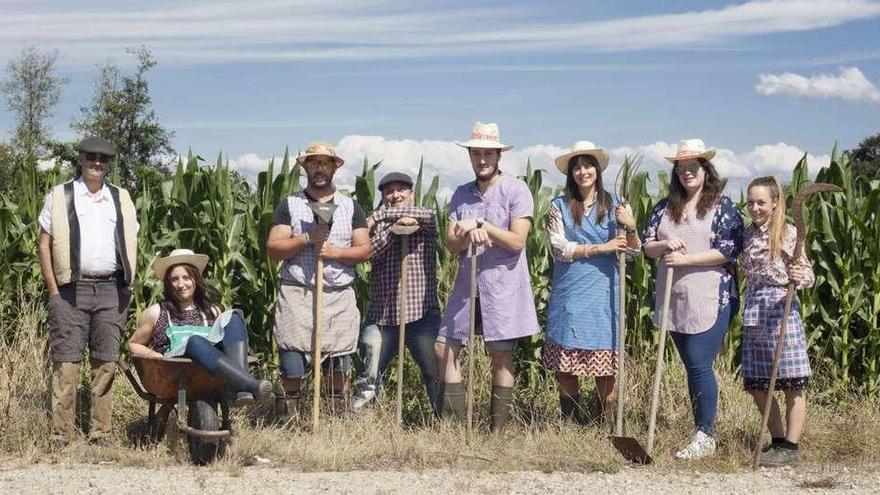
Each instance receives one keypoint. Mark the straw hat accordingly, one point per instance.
(691, 149)
(178, 257)
(319, 148)
(582, 148)
(485, 136)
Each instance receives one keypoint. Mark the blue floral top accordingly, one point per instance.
(727, 237)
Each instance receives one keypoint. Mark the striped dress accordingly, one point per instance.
(766, 282)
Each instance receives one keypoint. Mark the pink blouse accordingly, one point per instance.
(762, 270)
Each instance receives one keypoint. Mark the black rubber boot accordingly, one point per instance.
(237, 353)
(451, 400)
(570, 407)
(238, 380)
(500, 407)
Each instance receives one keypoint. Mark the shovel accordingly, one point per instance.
(404, 232)
(628, 447)
(324, 216)
(658, 367)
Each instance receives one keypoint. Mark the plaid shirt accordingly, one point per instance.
(385, 273)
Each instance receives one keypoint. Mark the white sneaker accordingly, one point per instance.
(701, 445)
(363, 398)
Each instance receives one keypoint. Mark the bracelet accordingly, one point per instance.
(589, 250)
(307, 238)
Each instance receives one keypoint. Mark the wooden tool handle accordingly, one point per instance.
(401, 321)
(658, 366)
(318, 319)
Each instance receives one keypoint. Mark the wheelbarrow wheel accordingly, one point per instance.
(203, 416)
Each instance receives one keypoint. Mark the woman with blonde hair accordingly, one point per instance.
(768, 263)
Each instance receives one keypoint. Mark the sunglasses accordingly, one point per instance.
(97, 157)
(691, 168)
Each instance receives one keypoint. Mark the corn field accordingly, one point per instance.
(212, 210)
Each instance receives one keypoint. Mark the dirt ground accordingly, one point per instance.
(265, 478)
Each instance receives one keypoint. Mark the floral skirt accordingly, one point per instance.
(579, 362)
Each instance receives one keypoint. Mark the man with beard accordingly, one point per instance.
(88, 253)
(379, 341)
(493, 213)
(297, 238)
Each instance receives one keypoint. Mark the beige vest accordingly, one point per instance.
(65, 233)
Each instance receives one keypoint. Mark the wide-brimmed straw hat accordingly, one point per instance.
(485, 136)
(179, 257)
(582, 148)
(691, 149)
(319, 148)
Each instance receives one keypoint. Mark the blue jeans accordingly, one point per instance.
(207, 354)
(378, 346)
(697, 352)
(295, 365)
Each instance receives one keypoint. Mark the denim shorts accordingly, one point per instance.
(295, 365)
(491, 345)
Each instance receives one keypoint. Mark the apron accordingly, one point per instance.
(178, 335)
(694, 302)
(583, 307)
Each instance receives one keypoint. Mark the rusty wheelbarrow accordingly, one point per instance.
(188, 398)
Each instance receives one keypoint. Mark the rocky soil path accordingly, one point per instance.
(84, 479)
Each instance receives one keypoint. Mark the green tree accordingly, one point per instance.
(32, 89)
(121, 112)
(866, 159)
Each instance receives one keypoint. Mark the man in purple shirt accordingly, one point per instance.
(494, 213)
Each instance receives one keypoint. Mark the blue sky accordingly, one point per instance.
(763, 81)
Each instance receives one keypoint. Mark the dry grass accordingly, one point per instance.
(537, 439)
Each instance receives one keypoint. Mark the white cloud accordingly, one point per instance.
(850, 85)
(450, 162)
(206, 32)
(250, 164)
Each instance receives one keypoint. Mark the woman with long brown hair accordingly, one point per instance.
(583, 225)
(190, 323)
(698, 232)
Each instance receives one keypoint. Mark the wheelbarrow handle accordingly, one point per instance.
(135, 384)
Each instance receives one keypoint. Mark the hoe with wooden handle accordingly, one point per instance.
(403, 231)
(324, 216)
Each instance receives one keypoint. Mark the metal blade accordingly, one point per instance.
(631, 450)
(323, 211)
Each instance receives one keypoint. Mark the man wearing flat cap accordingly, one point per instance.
(298, 237)
(379, 342)
(88, 253)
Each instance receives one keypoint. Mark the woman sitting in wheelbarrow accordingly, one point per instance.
(189, 323)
